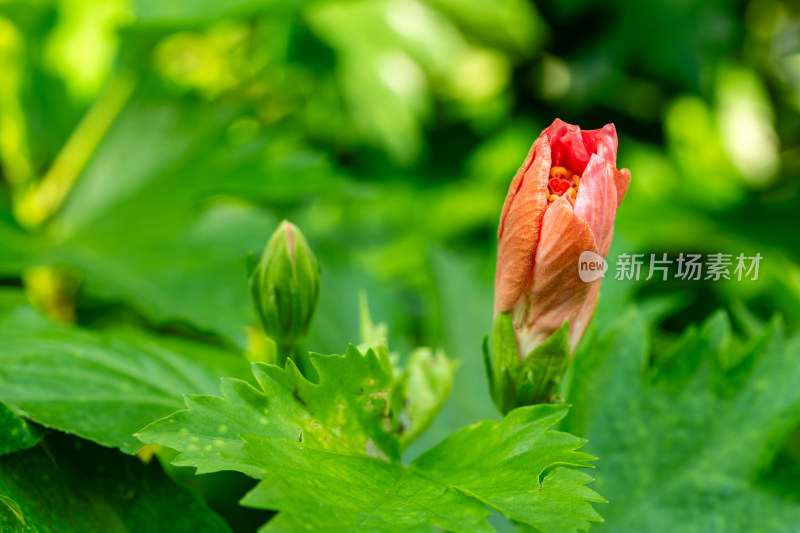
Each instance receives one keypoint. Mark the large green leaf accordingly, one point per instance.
(519, 468)
(687, 439)
(103, 386)
(68, 485)
(324, 491)
(169, 234)
(158, 204)
(206, 281)
(328, 455)
(515, 467)
(346, 411)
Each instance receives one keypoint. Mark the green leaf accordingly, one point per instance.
(516, 467)
(513, 24)
(15, 246)
(519, 468)
(463, 284)
(68, 485)
(311, 474)
(176, 194)
(320, 490)
(688, 436)
(103, 386)
(196, 11)
(329, 456)
(15, 432)
(211, 294)
(347, 412)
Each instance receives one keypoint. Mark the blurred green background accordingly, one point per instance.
(147, 146)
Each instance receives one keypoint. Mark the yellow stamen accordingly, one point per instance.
(552, 198)
(560, 172)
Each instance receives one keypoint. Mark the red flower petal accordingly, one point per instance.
(604, 143)
(570, 149)
(573, 148)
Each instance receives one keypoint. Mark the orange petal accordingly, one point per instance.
(622, 178)
(578, 326)
(556, 292)
(520, 225)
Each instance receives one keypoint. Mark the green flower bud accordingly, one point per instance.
(285, 286)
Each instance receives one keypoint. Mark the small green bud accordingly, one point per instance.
(285, 286)
(421, 391)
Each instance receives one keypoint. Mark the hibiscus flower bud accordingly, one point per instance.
(285, 286)
(561, 203)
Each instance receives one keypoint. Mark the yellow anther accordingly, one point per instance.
(552, 198)
(560, 172)
(572, 193)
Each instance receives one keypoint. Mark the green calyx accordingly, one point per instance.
(533, 380)
(285, 286)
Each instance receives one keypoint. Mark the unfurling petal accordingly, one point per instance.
(597, 201)
(520, 226)
(569, 147)
(622, 178)
(573, 148)
(605, 143)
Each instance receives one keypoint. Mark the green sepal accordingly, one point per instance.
(487, 361)
(505, 363)
(534, 380)
(544, 367)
